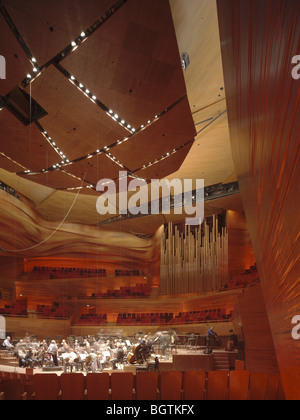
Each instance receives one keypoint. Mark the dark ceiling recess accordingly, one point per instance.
(23, 106)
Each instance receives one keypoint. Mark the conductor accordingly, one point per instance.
(210, 340)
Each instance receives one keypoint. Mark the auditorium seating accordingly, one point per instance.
(72, 386)
(247, 278)
(238, 385)
(97, 386)
(137, 291)
(195, 317)
(188, 386)
(147, 386)
(170, 386)
(52, 311)
(65, 272)
(217, 385)
(194, 385)
(122, 386)
(46, 386)
(92, 319)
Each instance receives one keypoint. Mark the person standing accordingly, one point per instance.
(53, 350)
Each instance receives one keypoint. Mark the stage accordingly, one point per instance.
(180, 360)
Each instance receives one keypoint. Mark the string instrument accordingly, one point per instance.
(132, 356)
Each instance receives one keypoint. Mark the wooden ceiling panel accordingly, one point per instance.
(166, 166)
(49, 27)
(76, 124)
(170, 131)
(9, 165)
(25, 145)
(17, 63)
(135, 62)
(57, 179)
(94, 169)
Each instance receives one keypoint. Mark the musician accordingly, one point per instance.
(7, 344)
(119, 356)
(92, 363)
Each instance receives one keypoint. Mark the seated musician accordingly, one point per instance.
(118, 357)
(92, 362)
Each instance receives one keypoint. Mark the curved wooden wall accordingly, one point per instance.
(258, 42)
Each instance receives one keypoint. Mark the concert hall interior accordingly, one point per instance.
(118, 296)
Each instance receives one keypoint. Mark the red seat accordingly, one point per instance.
(97, 386)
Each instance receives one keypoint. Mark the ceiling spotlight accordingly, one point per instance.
(33, 60)
(122, 122)
(72, 78)
(111, 112)
(94, 97)
(28, 76)
(116, 116)
(82, 34)
(185, 60)
(81, 85)
(73, 43)
(35, 69)
(87, 91)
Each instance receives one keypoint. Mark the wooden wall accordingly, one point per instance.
(258, 42)
(240, 252)
(250, 314)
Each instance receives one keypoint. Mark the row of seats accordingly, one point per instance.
(65, 272)
(92, 319)
(214, 315)
(18, 309)
(248, 277)
(52, 311)
(72, 272)
(140, 290)
(149, 386)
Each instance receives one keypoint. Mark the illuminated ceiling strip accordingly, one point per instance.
(83, 89)
(16, 163)
(84, 35)
(18, 36)
(105, 149)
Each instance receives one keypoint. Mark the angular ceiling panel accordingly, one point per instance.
(25, 145)
(47, 27)
(76, 124)
(132, 63)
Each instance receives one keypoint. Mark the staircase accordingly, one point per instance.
(221, 361)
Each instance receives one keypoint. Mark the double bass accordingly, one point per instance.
(133, 355)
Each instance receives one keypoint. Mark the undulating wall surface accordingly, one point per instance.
(259, 40)
(240, 252)
(260, 355)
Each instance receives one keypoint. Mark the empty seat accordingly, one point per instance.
(258, 386)
(72, 386)
(12, 390)
(170, 386)
(194, 385)
(272, 387)
(122, 386)
(46, 386)
(239, 385)
(97, 386)
(146, 386)
(217, 385)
